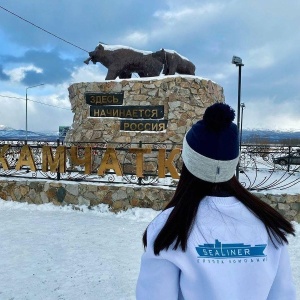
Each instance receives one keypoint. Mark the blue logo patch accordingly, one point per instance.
(239, 250)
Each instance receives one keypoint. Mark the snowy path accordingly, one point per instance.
(53, 253)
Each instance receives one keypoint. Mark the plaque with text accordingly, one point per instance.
(127, 112)
(143, 125)
(100, 99)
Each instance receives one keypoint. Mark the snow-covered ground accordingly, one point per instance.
(57, 253)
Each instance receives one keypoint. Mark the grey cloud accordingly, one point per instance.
(55, 69)
(3, 76)
(81, 23)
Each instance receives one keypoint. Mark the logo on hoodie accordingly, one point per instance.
(226, 251)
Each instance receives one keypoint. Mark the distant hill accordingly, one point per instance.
(270, 137)
(248, 136)
(10, 134)
(3, 127)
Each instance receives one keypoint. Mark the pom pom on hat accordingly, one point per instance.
(218, 116)
(211, 147)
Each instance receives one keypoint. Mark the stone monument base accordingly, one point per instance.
(155, 109)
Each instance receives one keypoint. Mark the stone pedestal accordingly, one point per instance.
(184, 99)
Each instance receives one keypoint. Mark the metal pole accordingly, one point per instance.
(238, 114)
(26, 123)
(26, 120)
(140, 178)
(239, 63)
(239, 98)
(241, 133)
(58, 170)
(243, 106)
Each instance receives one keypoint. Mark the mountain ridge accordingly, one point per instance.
(248, 136)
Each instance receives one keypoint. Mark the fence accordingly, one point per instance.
(262, 167)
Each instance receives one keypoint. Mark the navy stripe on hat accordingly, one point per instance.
(220, 145)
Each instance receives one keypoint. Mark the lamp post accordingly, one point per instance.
(29, 87)
(242, 106)
(238, 62)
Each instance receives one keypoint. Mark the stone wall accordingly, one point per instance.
(184, 98)
(118, 197)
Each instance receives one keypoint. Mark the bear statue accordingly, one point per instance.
(122, 61)
(174, 62)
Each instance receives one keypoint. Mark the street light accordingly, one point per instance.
(238, 62)
(30, 87)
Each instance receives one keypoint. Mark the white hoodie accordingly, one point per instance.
(229, 256)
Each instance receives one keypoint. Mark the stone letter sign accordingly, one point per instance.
(184, 97)
(104, 98)
(128, 112)
(143, 125)
(110, 105)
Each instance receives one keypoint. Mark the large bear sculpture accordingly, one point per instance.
(174, 62)
(122, 61)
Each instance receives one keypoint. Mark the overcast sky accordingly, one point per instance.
(265, 34)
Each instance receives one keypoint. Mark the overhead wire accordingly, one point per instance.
(64, 40)
(20, 98)
(23, 19)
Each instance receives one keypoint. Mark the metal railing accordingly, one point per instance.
(266, 167)
(262, 167)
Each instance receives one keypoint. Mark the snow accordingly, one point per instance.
(160, 77)
(49, 252)
(174, 52)
(145, 52)
(4, 127)
(276, 183)
(118, 47)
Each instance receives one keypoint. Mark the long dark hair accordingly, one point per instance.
(185, 202)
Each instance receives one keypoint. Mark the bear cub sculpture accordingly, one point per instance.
(174, 62)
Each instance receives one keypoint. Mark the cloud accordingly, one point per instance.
(261, 57)
(89, 73)
(81, 23)
(41, 117)
(136, 39)
(185, 21)
(47, 117)
(18, 74)
(267, 113)
(40, 66)
(185, 12)
(3, 75)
